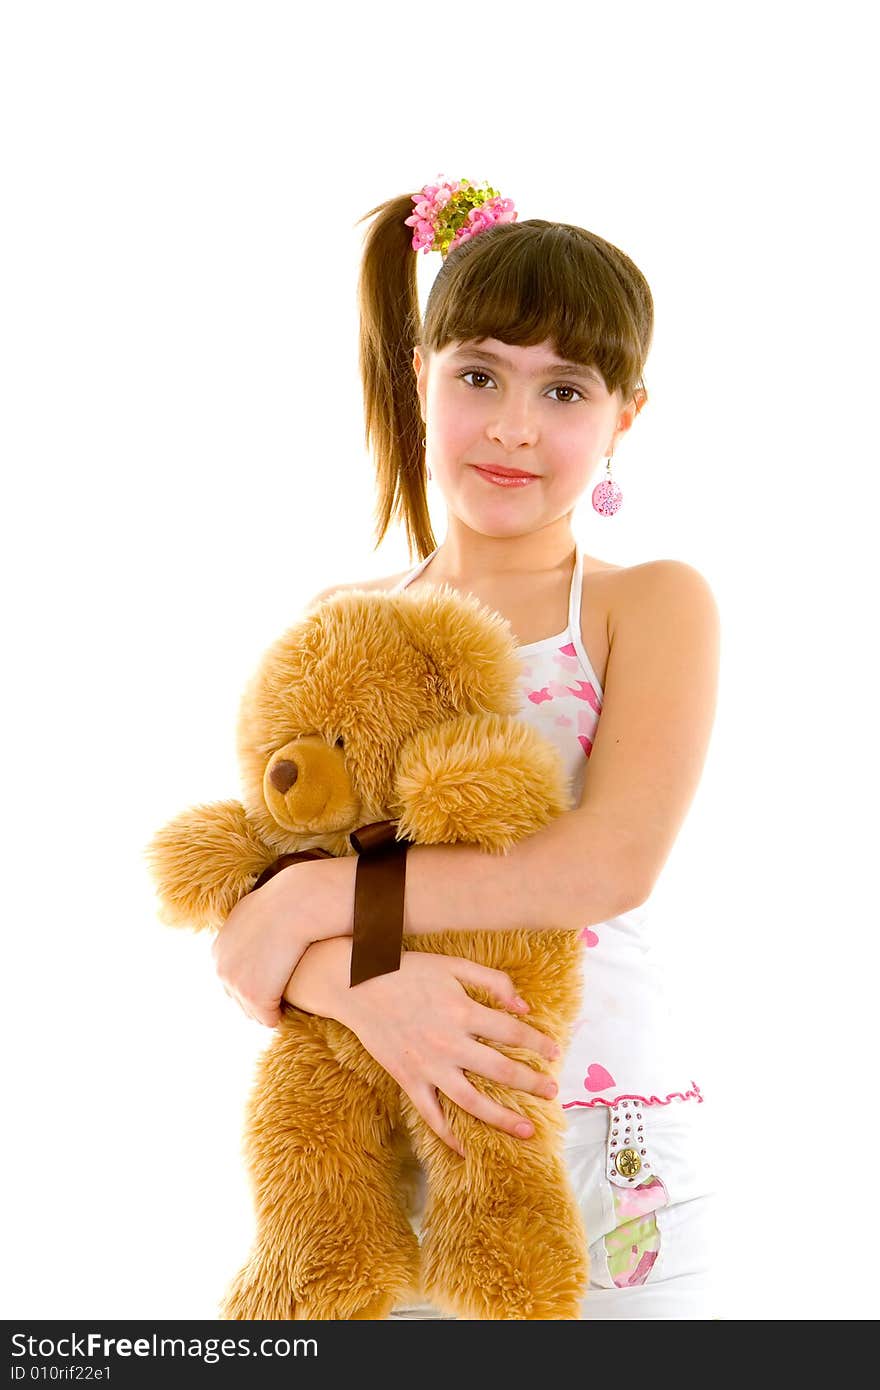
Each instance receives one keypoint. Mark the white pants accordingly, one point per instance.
(641, 1176)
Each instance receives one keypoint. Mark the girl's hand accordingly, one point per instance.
(260, 944)
(422, 1027)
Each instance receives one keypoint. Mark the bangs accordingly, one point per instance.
(529, 282)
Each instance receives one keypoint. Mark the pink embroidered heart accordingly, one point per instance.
(589, 937)
(597, 1078)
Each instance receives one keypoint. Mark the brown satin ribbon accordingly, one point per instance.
(379, 885)
(285, 861)
(380, 880)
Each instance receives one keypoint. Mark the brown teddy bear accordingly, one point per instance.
(390, 710)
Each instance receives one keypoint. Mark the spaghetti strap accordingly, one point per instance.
(413, 573)
(575, 592)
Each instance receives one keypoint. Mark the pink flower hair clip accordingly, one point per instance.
(447, 214)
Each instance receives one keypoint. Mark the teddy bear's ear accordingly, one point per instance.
(471, 647)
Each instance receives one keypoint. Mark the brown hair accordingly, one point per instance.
(520, 282)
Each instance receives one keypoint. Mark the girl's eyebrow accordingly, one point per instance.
(548, 369)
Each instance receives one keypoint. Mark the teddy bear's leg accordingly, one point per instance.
(333, 1239)
(502, 1234)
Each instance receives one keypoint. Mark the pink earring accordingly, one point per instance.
(424, 446)
(607, 496)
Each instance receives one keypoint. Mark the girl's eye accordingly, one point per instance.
(562, 386)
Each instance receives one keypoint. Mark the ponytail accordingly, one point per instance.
(389, 330)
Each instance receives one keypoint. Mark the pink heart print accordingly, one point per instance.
(589, 937)
(586, 727)
(597, 1078)
(584, 691)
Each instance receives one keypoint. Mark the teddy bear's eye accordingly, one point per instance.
(340, 742)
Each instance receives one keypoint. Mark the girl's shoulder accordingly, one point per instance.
(621, 582)
(631, 599)
(371, 584)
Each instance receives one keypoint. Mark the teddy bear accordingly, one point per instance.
(392, 710)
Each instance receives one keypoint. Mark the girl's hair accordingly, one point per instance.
(520, 282)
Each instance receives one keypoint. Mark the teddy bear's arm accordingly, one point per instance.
(486, 779)
(203, 862)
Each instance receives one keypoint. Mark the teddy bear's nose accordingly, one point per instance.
(283, 775)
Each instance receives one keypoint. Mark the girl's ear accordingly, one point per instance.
(627, 416)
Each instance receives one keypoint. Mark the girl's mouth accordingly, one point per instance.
(506, 479)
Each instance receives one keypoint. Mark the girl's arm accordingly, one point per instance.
(570, 875)
(292, 937)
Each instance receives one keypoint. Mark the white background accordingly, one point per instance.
(184, 467)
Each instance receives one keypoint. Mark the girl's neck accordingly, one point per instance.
(466, 558)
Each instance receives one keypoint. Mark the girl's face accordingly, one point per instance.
(519, 408)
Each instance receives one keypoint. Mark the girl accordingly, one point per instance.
(525, 374)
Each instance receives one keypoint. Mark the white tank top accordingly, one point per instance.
(624, 1045)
